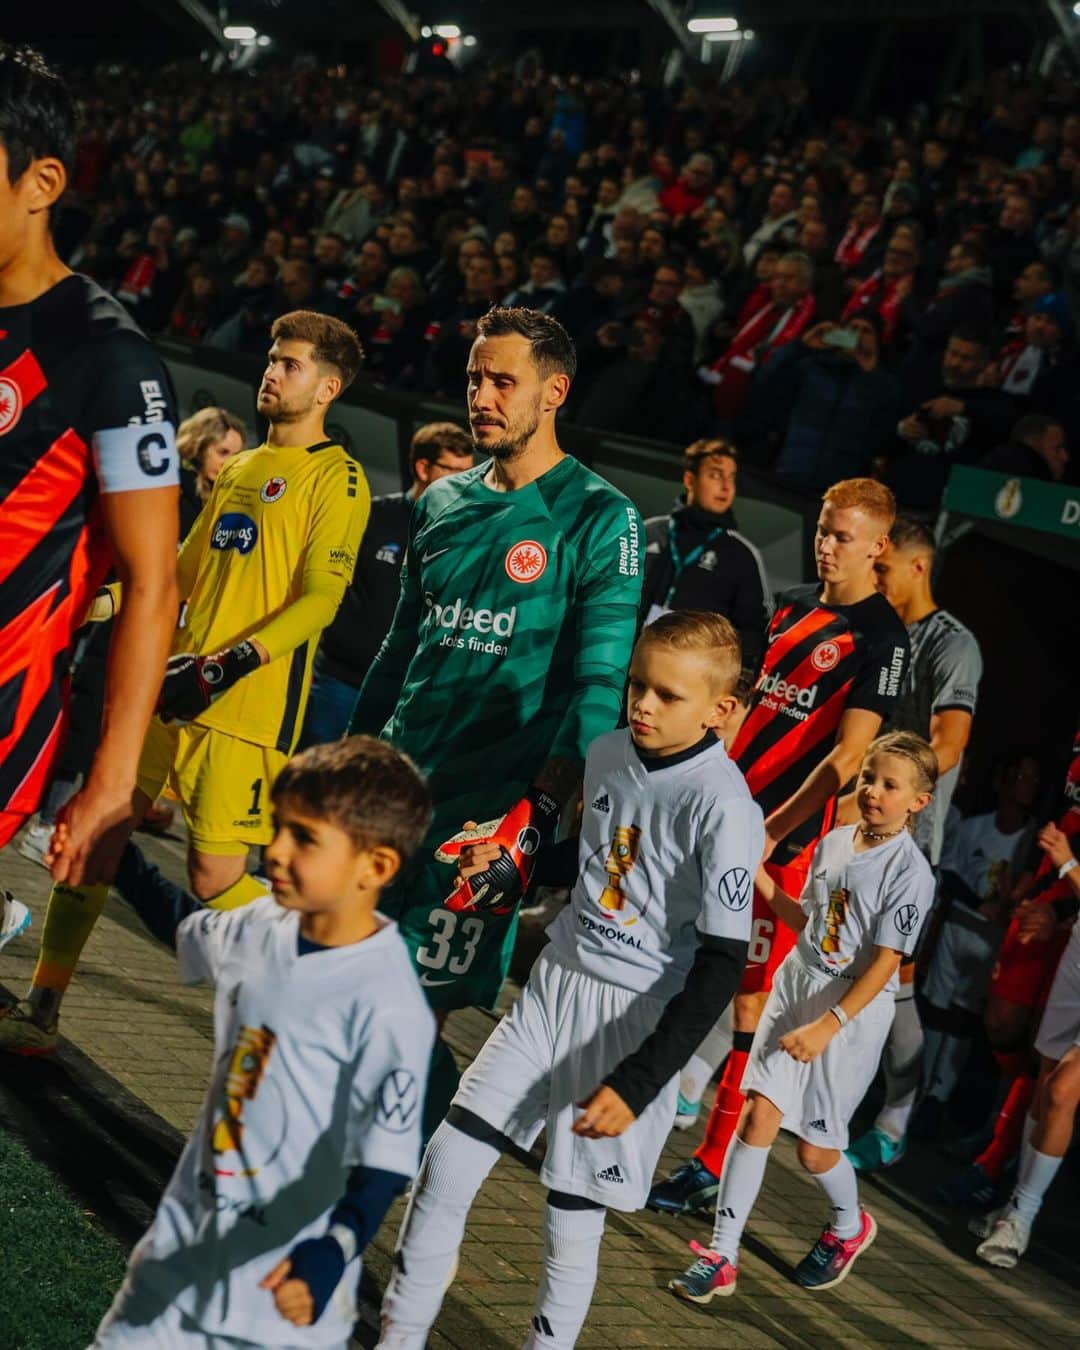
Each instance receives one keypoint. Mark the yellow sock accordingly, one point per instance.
(241, 892)
(72, 913)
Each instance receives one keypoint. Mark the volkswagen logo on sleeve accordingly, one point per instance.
(736, 888)
(397, 1101)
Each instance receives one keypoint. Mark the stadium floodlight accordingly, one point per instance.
(740, 35)
(713, 25)
(447, 30)
(239, 32)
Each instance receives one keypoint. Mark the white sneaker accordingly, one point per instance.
(35, 841)
(1007, 1243)
(15, 918)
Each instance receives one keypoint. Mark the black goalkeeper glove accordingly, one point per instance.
(192, 682)
(526, 828)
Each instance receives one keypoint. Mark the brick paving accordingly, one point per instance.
(918, 1286)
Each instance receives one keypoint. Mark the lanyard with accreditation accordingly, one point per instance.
(680, 563)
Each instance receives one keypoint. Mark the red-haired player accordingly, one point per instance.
(830, 676)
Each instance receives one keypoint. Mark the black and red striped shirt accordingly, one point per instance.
(86, 407)
(820, 661)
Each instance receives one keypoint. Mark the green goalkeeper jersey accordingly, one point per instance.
(509, 646)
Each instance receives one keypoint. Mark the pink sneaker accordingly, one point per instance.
(711, 1276)
(831, 1257)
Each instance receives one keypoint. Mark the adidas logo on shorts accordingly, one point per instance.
(819, 1125)
(602, 804)
(725, 1213)
(611, 1174)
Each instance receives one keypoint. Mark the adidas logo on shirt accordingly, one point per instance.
(819, 1125)
(602, 804)
(611, 1174)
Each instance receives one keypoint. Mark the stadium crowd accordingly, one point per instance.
(840, 296)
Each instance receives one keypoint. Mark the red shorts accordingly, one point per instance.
(771, 940)
(1024, 973)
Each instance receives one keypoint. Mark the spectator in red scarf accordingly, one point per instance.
(885, 290)
(863, 226)
(785, 316)
(1032, 368)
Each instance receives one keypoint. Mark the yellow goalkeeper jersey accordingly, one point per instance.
(282, 525)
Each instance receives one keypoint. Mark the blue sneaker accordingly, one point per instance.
(875, 1150)
(691, 1189)
(969, 1189)
(711, 1276)
(830, 1259)
(686, 1113)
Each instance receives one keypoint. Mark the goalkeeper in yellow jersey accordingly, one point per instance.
(263, 571)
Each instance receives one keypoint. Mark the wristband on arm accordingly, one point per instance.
(354, 1220)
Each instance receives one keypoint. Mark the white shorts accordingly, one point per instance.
(818, 1099)
(127, 1326)
(1059, 1029)
(963, 961)
(553, 1049)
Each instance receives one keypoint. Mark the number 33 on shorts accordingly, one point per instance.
(444, 953)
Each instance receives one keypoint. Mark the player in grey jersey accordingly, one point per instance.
(937, 701)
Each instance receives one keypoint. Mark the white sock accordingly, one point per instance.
(744, 1171)
(706, 1059)
(1037, 1171)
(901, 1063)
(453, 1170)
(842, 1188)
(571, 1256)
(1029, 1129)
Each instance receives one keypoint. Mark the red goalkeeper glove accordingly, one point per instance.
(521, 834)
(193, 682)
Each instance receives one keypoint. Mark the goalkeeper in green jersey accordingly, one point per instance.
(507, 656)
